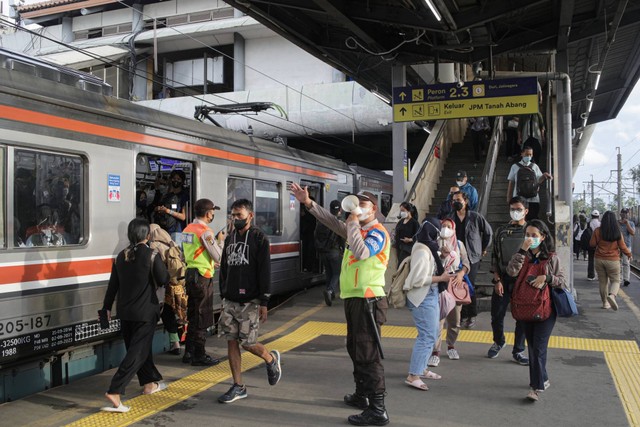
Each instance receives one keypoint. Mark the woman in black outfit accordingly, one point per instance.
(405, 230)
(138, 311)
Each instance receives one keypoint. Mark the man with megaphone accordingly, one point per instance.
(362, 288)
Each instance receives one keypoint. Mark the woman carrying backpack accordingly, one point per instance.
(608, 242)
(536, 267)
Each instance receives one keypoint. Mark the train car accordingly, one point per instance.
(75, 162)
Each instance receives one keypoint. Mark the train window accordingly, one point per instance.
(48, 199)
(342, 195)
(239, 188)
(267, 207)
(2, 197)
(163, 182)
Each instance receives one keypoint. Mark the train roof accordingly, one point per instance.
(41, 81)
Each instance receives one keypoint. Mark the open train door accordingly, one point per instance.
(309, 261)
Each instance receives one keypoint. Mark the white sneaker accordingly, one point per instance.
(453, 354)
(433, 360)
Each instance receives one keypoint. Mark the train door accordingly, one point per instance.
(308, 258)
(165, 192)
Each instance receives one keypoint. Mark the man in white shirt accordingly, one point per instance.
(530, 177)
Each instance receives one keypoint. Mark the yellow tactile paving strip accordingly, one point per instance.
(622, 357)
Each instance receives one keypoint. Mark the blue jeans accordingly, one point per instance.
(427, 319)
(538, 334)
(332, 262)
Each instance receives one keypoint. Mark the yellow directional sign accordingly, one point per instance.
(473, 99)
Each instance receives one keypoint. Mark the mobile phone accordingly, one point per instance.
(104, 319)
(531, 278)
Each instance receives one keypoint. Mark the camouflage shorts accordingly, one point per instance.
(240, 321)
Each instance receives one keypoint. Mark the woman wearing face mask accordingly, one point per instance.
(405, 230)
(141, 205)
(171, 214)
(453, 256)
(608, 241)
(422, 286)
(537, 265)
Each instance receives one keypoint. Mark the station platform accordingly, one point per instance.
(593, 365)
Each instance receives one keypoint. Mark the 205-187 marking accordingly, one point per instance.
(27, 324)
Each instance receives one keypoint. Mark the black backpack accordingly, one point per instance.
(586, 238)
(526, 182)
(326, 240)
(509, 238)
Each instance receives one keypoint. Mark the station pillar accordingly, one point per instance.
(399, 141)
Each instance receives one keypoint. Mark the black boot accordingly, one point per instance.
(356, 400)
(374, 415)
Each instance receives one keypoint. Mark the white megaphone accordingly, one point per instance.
(351, 204)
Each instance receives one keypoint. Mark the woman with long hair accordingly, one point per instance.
(406, 228)
(132, 280)
(608, 242)
(536, 265)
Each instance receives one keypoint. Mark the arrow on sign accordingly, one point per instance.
(403, 110)
(402, 96)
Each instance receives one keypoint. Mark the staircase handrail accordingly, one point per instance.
(423, 159)
(488, 173)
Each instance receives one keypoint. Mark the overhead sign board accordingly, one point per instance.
(470, 99)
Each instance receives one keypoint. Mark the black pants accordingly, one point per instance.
(511, 144)
(169, 321)
(538, 334)
(368, 371)
(332, 261)
(499, 306)
(478, 143)
(138, 338)
(471, 310)
(199, 311)
(591, 270)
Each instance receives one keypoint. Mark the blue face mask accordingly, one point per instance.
(526, 159)
(535, 242)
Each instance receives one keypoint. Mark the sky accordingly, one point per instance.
(600, 157)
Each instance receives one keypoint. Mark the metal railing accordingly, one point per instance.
(489, 171)
(422, 161)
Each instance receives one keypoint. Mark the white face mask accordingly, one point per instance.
(526, 160)
(516, 215)
(365, 214)
(460, 183)
(403, 214)
(446, 232)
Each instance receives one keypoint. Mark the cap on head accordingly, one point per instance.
(624, 210)
(334, 207)
(595, 212)
(368, 196)
(202, 206)
(461, 174)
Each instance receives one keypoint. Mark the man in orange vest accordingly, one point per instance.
(201, 251)
(364, 264)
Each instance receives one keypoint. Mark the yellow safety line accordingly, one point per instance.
(622, 357)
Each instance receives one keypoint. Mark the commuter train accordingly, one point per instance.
(75, 162)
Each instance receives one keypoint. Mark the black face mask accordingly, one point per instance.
(239, 224)
(458, 206)
(176, 184)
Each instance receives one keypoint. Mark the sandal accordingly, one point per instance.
(430, 375)
(417, 384)
(159, 387)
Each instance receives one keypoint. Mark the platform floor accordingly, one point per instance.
(594, 369)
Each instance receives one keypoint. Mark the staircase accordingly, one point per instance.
(461, 157)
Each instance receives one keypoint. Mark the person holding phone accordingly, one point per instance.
(537, 254)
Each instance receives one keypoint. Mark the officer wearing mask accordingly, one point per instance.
(362, 288)
(201, 250)
(463, 184)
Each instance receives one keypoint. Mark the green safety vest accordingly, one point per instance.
(195, 254)
(364, 278)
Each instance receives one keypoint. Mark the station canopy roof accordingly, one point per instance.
(365, 38)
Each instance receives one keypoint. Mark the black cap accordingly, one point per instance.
(202, 206)
(368, 196)
(334, 207)
(461, 174)
(624, 210)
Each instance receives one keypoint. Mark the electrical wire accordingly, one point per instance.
(357, 44)
(204, 101)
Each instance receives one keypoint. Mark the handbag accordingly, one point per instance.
(447, 303)
(563, 302)
(460, 294)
